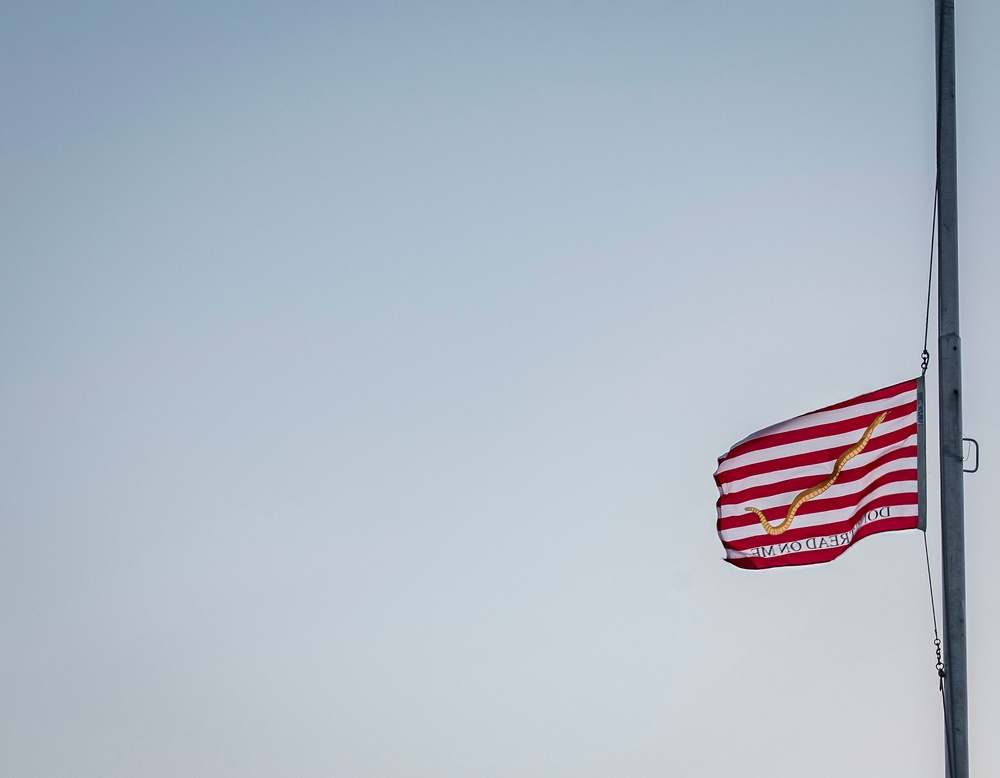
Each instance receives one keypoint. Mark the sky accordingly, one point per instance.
(365, 369)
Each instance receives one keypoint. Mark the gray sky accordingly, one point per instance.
(365, 369)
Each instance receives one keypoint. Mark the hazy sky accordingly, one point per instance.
(365, 367)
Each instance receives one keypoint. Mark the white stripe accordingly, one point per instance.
(868, 458)
(779, 549)
(830, 516)
(823, 469)
(736, 508)
(823, 518)
(844, 439)
(814, 418)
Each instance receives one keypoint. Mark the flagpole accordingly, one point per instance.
(950, 402)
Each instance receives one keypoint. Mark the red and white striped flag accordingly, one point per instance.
(805, 490)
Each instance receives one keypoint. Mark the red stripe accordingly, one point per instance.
(777, 514)
(831, 528)
(818, 457)
(854, 424)
(888, 393)
(876, 441)
(799, 483)
(878, 394)
(823, 554)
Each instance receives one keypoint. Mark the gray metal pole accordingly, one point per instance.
(950, 400)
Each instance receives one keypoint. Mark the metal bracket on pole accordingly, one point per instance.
(975, 444)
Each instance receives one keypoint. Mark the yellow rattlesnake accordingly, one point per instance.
(817, 490)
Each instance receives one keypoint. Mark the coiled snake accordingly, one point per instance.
(816, 491)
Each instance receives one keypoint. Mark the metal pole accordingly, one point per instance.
(950, 402)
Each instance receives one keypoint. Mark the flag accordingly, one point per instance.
(805, 490)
